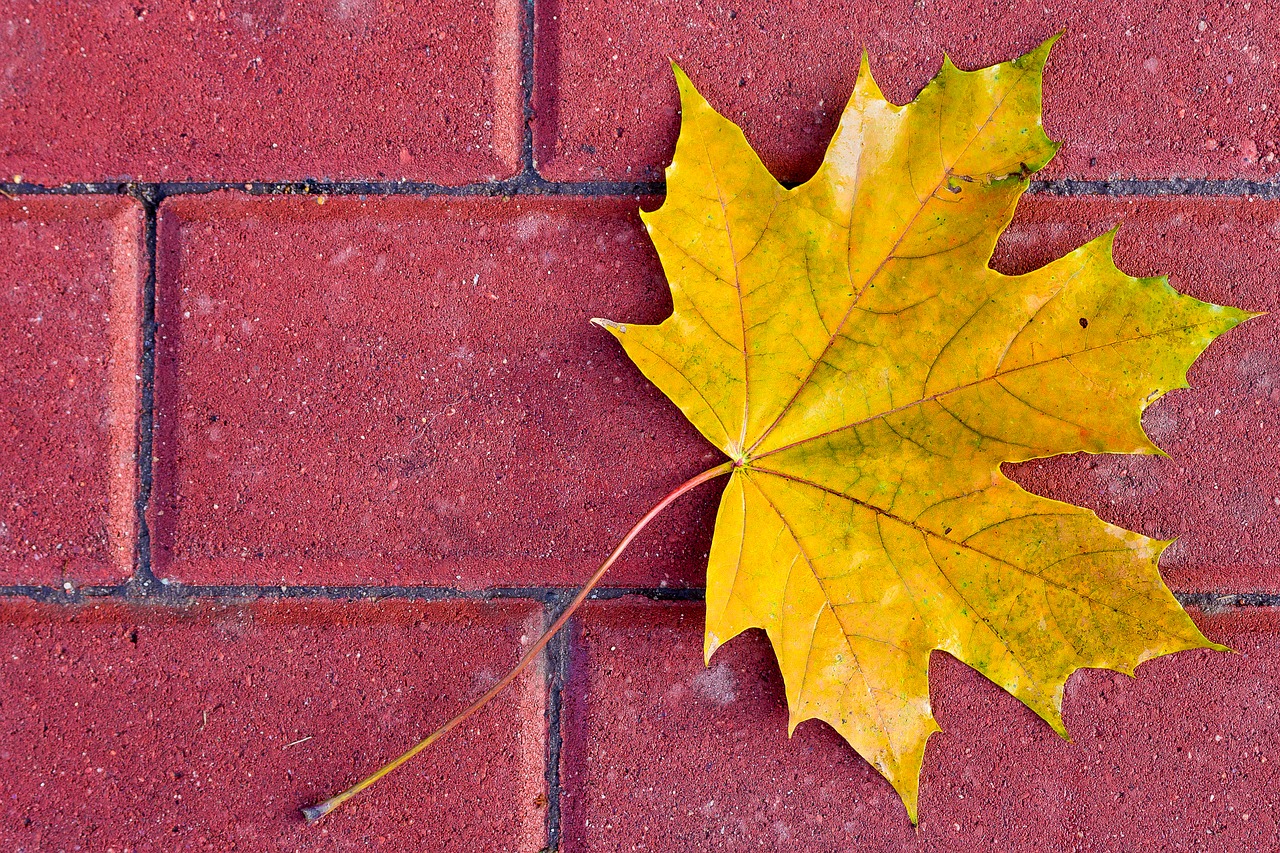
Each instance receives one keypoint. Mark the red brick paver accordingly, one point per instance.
(421, 376)
(71, 277)
(206, 728)
(1146, 90)
(663, 754)
(276, 90)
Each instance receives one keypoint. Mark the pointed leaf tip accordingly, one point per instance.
(684, 83)
(609, 325)
(865, 85)
(1039, 55)
(910, 802)
(1106, 242)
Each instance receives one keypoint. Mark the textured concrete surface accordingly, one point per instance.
(72, 276)
(663, 754)
(1145, 90)
(274, 90)
(206, 728)
(420, 376)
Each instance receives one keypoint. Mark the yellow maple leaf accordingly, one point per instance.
(846, 344)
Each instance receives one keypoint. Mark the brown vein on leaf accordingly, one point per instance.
(857, 297)
(927, 532)
(951, 499)
(867, 638)
(1031, 320)
(901, 310)
(809, 655)
(993, 525)
(1036, 408)
(935, 398)
(978, 235)
(737, 286)
(695, 388)
(703, 317)
(693, 303)
(768, 221)
(813, 294)
(937, 564)
(1086, 377)
(1065, 635)
(1069, 557)
(979, 433)
(857, 662)
(691, 256)
(908, 439)
(893, 564)
(955, 334)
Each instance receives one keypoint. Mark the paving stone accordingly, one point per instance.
(207, 728)
(661, 753)
(1145, 90)
(72, 274)
(274, 90)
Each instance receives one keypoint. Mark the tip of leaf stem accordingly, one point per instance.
(319, 810)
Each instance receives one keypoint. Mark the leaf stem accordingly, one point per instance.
(319, 810)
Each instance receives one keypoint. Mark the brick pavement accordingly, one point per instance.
(306, 433)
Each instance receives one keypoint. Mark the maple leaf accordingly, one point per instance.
(847, 346)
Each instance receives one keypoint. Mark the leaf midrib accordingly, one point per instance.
(947, 173)
(933, 534)
(995, 377)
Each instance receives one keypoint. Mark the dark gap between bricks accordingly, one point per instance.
(529, 183)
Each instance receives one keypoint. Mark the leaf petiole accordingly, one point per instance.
(319, 810)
